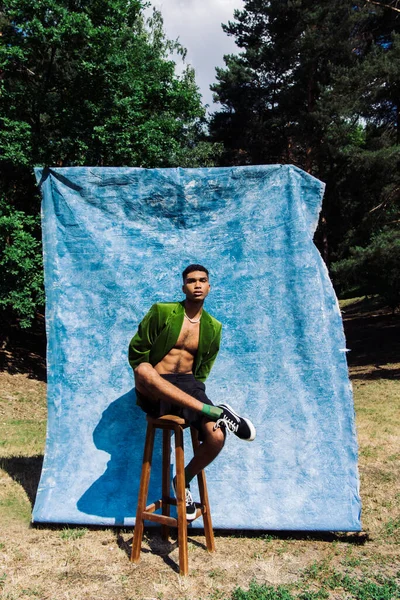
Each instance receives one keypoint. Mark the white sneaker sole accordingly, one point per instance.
(250, 425)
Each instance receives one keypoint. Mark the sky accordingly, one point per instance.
(197, 24)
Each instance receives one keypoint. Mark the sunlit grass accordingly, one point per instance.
(22, 437)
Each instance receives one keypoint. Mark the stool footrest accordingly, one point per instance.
(154, 506)
(150, 515)
(162, 519)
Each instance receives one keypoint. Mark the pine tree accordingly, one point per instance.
(271, 91)
(317, 85)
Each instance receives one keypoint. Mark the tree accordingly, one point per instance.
(317, 85)
(83, 82)
(372, 270)
(271, 90)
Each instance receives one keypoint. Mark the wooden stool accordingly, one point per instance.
(170, 423)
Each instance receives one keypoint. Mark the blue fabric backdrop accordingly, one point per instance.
(115, 242)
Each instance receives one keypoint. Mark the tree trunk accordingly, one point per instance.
(325, 244)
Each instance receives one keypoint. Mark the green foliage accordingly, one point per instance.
(384, 589)
(317, 85)
(21, 284)
(88, 83)
(15, 141)
(373, 270)
(83, 83)
(364, 589)
(270, 93)
(392, 530)
(312, 595)
(72, 534)
(262, 592)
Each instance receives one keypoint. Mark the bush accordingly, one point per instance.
(21, 284)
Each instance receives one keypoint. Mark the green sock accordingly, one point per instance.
(214, 412)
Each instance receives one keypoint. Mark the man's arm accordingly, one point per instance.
(144, 338)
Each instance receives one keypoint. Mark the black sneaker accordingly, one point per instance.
(243, 428)
(190, 505)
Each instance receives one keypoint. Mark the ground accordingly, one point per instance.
(57, 563)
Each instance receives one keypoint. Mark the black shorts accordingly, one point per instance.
(187, 383)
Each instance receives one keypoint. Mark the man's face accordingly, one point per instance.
(196, 286)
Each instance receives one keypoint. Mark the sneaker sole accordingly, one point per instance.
(189, 517)
(250, 425)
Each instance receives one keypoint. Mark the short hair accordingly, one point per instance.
(192, 268)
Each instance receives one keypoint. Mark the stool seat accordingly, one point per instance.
(168, 419)
(176, 425)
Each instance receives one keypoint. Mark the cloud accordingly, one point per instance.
(197, 24)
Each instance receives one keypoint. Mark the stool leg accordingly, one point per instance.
(166, 479)
(181, 501)
(201, 480)
(143, 492)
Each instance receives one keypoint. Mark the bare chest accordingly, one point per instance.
(189, 337)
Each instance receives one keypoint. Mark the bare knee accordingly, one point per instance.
(216, 437)
(143, 372)
(219, 437)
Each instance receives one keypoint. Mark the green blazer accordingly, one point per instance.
(158, 333)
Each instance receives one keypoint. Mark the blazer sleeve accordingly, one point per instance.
(204, 369)
(143, 340)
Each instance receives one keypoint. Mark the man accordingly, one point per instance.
(172, 354)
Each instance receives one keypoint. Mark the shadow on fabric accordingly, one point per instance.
(121, 432)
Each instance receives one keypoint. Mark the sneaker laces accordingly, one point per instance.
(188, 496)
(230, 426)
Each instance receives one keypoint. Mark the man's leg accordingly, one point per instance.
(211, 446)
(207, 451)
(151, 384)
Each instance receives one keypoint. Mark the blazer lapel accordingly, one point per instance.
(174, 326)
(169, 335)
(206, 335)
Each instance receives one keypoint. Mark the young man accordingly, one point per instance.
(172, 354)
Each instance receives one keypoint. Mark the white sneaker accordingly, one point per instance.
(190, 505)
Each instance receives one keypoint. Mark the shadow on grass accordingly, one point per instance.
(358, 538)
(26, 471)
(377, 373)
(158, 546)
(24, 350)
(373, 336)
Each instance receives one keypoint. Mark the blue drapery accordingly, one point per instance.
(115, 241)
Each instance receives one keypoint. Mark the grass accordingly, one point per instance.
(24, 433)
(392, 530)
(329, 581)
(77, 563)
(72, 534)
